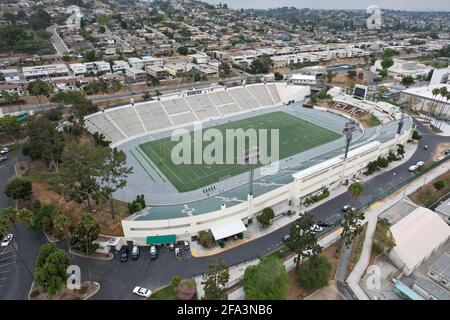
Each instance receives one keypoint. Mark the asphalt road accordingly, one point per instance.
(57, 42)
(118, 279)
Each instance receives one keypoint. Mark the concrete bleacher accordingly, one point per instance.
(99, 123)
(175, 106)
(274, 93)
(243, 98)
(220, 97)
(153, 116)
(202, 106)
(261, 95)
(183, 118)
(127, 120)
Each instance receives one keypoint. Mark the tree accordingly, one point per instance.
(383, 238)
(401, 150)
(44, 141)
(439, 185)
(60, 223)
(224, 70)
(215, 280)
(39, 88)
(89, 56)
(407, 80)
(25, 216)
(315, 273)
(183, 50)
(387, 62)
(84, 234)
(261, 65)
(81, 164)
(5, 225)
(10, 126)
(356, 189)
(351, 74)
(372, 167)
(267, 280)
(113, 174)
(18, 189)
(265, 218)
(303, 240)
(51, 267)
(416, 135)
(330, 75)
(383, 73)
(351, 226)
(278, 76)
(10, 214)
(40, 20)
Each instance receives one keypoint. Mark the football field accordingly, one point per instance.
(295, 136)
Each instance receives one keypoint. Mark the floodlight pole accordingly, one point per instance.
(348, 132)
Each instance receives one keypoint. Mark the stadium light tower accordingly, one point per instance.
(348, 132)
(251, 159)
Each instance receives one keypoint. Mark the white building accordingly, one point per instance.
(417, 236)
(303, 79)
(136, 74)
(119, 66)
(138, 63)
(9, 75)
(155, 72)
(97, 66)
(403, 68)
(440, 76)
(201, 58)
(47, 71)
(78, 69)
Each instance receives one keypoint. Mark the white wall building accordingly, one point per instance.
(78, 69)
(303, 79)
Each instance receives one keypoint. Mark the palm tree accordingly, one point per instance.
(4, 225)
(11, 215)
(60, 222)
(25, 216)
(436, 92)
(356, 189)
(443, 93)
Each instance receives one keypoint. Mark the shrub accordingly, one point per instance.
(439, 185)
(382, 162)
(186, 290)
(377, 248)
(416, 135)
(265, 218)
(314, 274)
(206, 239)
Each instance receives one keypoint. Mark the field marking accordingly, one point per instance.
(299, 135)
(143, 168)
(149, 163)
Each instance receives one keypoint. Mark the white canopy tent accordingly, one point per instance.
(228, 229)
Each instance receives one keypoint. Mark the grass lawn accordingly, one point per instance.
(295, 136)
(165, 293)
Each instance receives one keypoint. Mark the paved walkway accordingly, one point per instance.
(371, 218)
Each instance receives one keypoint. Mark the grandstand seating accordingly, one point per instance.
(129, 121)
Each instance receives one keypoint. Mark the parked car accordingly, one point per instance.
(413, 168)
(425, 147)
(4, 150)
(323, 224)
(347, 208)
(124, 254)
(7, 240)
(286, 238)
(143, 292)
(153, 252)
(420, 163)
(135, 252)
(316, 228)
(3, 159)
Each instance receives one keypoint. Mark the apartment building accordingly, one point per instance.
(45, 71)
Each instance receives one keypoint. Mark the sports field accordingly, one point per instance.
(295, 136)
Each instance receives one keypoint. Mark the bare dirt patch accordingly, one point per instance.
(428, 194)
(440, 149)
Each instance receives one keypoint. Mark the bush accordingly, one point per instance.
(382, 162)
(314, 274)
(416, 135)
(265, 218)
(206, 239)
(377, 248)
(186, 290)
(439, 185)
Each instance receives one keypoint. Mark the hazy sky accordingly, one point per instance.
(410, 5)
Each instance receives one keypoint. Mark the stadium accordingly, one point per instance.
(225, 198)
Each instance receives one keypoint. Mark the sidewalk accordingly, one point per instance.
(254, 231)
(371, 217)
